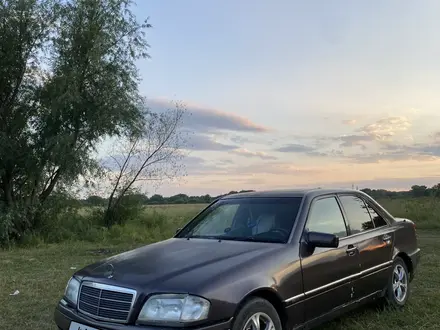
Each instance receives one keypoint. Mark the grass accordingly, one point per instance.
(153, 224)
(40, 270)
(425, 211)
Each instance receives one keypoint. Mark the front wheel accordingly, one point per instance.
(257, 314)
(398, 285)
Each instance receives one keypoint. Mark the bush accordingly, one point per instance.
(63, 221)
(142, 225)
(127, 209)
(424, 211)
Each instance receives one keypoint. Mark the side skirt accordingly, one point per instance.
(339, 311)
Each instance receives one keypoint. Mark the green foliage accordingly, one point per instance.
(127, 209)
(425, 211)
(142, 224)
(86, 224)
(157, 199)
(67, 79)
(416, 191)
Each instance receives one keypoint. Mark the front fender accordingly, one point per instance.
(225, 297)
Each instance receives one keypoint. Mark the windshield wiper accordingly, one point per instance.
(204, 236)
(250, 239)
(236, 238)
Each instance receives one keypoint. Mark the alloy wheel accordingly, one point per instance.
(259, 321)
(400, 283)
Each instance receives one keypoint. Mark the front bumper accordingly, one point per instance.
(64, 315)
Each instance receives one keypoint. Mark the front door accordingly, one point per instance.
(374, 239)
(327, 272)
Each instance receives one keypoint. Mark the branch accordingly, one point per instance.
(121, 173)
(46, 192)
(147, 160)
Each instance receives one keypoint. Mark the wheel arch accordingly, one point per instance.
(271, 296)
(407, 260)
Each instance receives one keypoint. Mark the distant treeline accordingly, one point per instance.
(160, 200)
(416, 191)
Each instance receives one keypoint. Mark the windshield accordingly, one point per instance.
(245, 219)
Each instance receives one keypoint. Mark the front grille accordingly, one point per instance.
(106, 302)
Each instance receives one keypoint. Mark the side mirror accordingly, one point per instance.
(323, 240)
(178, 229)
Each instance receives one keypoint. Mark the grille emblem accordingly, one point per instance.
(109, 271)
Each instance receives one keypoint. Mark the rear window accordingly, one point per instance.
(358, 217)
(249, 219)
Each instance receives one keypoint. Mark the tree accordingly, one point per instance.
(67, 79)
(419, 191)
(157, 199)
(435, 190)
(95, 200)
(151, 155)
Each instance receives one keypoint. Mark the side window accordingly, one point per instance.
(377, 219)
(325, 216)
(357, 214)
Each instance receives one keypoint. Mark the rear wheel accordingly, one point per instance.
(398, 289)
(257, 314)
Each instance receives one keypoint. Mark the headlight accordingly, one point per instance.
(72, 289)
(174, 308)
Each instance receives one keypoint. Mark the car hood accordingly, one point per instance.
(178, 263)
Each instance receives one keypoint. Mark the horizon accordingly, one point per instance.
(292, 94)
(254, 190)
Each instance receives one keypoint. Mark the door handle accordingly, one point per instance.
(386, 237)
(351, 250)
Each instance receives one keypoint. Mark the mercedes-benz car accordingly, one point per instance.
(262, 260)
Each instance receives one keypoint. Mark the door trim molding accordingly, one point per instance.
(340, 281)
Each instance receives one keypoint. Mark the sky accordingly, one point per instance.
(290, 94)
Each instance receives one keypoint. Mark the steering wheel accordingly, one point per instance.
(280, 231)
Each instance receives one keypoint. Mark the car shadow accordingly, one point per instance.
(337, 323)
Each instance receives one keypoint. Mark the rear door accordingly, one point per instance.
(374, 240)
(327, 272)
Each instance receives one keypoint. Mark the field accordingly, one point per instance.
(41, 269)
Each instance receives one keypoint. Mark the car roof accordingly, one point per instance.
(311, 192)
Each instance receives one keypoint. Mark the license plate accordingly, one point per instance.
(78, 326)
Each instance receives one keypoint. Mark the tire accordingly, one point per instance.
(257, 309)
(399, 280)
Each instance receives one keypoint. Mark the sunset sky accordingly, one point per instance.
(287, 94)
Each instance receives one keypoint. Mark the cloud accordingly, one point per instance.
(253, 154)
(296, 148)
(436, 137)
(374, 135)
(309, 150)
(204, 142)
(354, 140)
(414, 111)
(270, 167)
(395, 152)
(202, 119)
(420, 149)
(199, 166)
(329, 153)
(376, 140)
(349, 121)
(386, 127)
(395, 183)
(240, 139)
